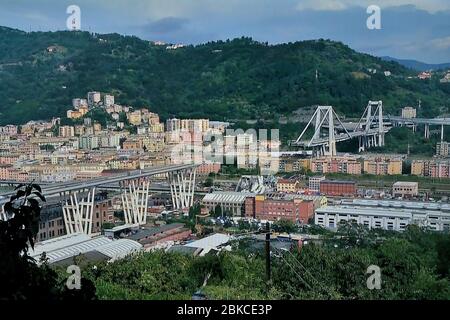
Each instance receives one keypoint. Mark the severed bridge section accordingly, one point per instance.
(328, 130)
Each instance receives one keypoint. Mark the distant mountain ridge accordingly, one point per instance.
(41, 72)
(418, 65)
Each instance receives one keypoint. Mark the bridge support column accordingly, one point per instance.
(427, 131)
(182, 185)
(135, 203)
(78, 213)
(442, 132)
(362, 144)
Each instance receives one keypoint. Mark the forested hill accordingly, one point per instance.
(233, 79)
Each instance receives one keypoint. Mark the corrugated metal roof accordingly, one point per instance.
(58, 243)
(120, 248)
(65, 247)
(210, 242)
(227, 197)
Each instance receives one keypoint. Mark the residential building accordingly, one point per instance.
(339, 164)
(409, 112)
(208, 167)
(435, 168)
(288, 185)
(383, 165)
(66, 131)
(108, 100)
(314, 183)
(442, 149)
(93, 98)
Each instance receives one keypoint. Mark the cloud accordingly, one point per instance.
(416, 29)
(167, 25)
(322, 5)
(441, 43)
(431, 6)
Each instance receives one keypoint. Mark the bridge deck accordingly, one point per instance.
(79, 185)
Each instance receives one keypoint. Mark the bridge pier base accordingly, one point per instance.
(135, 203)
(427, 131)
(182, 185)
(78, 214)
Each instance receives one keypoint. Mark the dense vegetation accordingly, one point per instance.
(235, 79)
(414, 265)
(20, 276)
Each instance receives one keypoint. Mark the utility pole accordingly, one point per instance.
(268, 252)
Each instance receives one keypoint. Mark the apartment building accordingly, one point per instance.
(442, 149)
(341, 164)
(66, 131)
(409, 112)
(381, 165)
(93, 98)
(314, 183)
(288, 185)
(431, 168)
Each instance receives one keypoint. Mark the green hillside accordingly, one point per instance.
(236, 79)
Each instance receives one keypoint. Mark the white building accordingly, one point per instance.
(388, 215)
(108, 100)
(409, 112)
(314, 183)
(232, 202)
(93, 97)
(405, 189)
(78, 102)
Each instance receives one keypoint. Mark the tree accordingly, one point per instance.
(20, 276)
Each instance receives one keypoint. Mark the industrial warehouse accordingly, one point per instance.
(388, 215)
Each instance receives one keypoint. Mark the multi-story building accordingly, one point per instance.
(132, 144)
(270, 207)
(431, 168)
(341, 164)
(381, 165)
(93, 98)
(51, 224)
(103, 211)
(337, 188)
(66, 131)
(89, 142)
(388, 215)
(405, 189)
(173, 124)
(231, 203)
(10, 130)
(108, 100)
(409, 112)
(77, 102)
(288, 185)
(314, 183)
(442, 149)
(294, 164)
(208, 167)
(135, 117)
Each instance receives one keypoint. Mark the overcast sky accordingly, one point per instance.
(411, 29)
